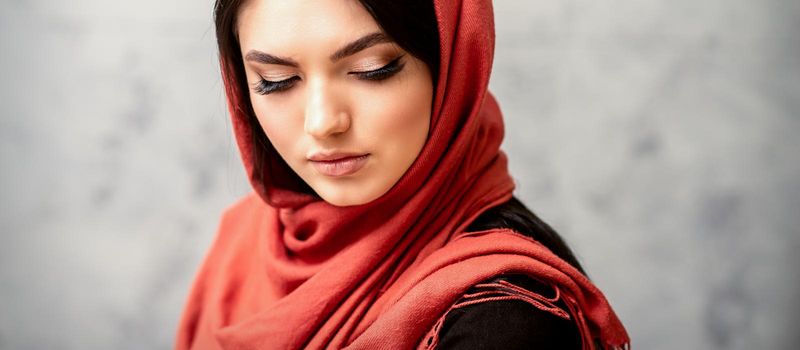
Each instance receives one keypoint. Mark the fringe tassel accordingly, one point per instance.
(504, 290)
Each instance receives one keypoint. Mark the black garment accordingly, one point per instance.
(509, 324)
(513, 324)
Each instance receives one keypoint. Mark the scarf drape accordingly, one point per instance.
(287, 270)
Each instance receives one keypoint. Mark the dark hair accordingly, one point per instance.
(412, 25)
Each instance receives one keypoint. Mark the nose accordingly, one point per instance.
(325, 113)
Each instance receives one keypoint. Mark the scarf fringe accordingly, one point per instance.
(511, 291)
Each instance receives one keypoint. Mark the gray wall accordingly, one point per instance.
(657, 136)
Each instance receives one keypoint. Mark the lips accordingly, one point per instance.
(338, 164)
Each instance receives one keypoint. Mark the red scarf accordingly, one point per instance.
(290, 271)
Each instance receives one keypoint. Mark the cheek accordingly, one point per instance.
(397, 118)
(282, 132)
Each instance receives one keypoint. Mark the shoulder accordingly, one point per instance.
(509, 312)
(244, 207)
(236, 233)
(240, 221)
(221, 266)
(238, 228)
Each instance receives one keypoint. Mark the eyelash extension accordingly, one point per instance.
(384, 72)
(264, 87)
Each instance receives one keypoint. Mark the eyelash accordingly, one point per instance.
(264, 87)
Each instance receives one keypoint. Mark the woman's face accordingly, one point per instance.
(345, 107)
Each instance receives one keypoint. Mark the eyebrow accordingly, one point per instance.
(265, 58)
(359, 44)
(352, 48)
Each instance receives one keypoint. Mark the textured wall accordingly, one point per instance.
(657, 137)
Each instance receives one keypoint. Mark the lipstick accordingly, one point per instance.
(340, 166)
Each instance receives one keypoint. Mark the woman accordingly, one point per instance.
(382, 215)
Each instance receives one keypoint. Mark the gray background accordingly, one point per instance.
(656, 136)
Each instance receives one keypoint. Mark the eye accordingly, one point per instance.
(382, 73)
(264, 86)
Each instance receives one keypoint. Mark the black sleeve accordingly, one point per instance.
(509, 324)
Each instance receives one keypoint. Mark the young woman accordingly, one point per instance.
(382, 215)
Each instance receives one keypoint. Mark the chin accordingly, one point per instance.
(344, 201)
(345, 197)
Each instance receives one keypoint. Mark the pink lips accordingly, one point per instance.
(340, 166)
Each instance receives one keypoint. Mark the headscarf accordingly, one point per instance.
(290, 271)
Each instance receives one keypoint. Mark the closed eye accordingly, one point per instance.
(384, 72)
(264, 86)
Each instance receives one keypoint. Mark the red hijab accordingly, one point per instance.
(288, 270)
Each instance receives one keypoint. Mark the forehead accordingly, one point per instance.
(287, 24)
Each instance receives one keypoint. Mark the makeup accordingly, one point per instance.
(342, 166)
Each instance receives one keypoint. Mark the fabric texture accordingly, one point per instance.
(290, 271)
(506, 313)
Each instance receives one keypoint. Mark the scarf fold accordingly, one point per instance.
(290, 271)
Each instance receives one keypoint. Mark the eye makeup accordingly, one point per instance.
(384, 72)
(264, 87)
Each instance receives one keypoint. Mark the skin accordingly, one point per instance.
(327, 106)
